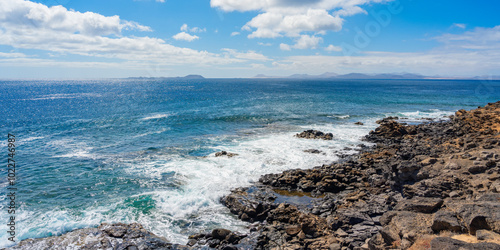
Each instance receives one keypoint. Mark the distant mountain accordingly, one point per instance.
(329, 75)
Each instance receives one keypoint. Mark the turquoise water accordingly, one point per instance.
(143, 150)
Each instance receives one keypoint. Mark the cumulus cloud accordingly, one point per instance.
(332, 47)
(291, 18)
(59, 31)
(21, 15)
(186, 28)
(235, 33)
(285, 47)
(303, 42)
(185, 37)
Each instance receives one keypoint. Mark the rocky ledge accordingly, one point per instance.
(427, 186)
(315, 134)
(106, 236)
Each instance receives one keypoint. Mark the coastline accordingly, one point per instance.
(418, 182)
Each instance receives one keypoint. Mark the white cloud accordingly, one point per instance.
(285, 47)
(307, 42)
(477, 39)
(459, 25)
(264, 44)
(235, 33)
(271, 25)
(249, 55)
(332, 47)
(185, 37)
(303, 42)
(186, 28)
(62, 32)
(18, 14)
(291, 18)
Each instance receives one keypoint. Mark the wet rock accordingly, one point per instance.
(220, 234)
(315, 134)
(224, 153)
(312, 151)
(114, 236)
(359, 123)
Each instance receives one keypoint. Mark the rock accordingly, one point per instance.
(315, 134)
(420, 204)
(487, 235)
(446, 221)
(312, 151)
(224, 153)
(293, 230)
(359, 123)
(335, 246)
(113, 236)
(477, 169)
(220, 233)
(445, 243)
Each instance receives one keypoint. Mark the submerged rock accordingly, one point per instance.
(224, 153)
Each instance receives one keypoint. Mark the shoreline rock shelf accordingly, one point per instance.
(426, 186)
(432, 185)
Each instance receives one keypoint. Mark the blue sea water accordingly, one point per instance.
(142, 151)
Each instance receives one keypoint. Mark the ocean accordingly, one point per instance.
(141, 150)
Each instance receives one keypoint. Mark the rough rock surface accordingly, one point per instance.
(421, 186)
(315, 134)
(225, 153)
(106, 236)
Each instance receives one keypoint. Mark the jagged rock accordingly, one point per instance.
(106, 236)
(359, 123)
(224, 153)
(312, 151)
(420, 205)
(315, 134)
(445, 243)
(446, 221)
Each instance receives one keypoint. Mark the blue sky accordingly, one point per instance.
(243, 38)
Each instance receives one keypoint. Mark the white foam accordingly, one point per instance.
(205, 179)
(65, 96)
(434, 114)
(151, 133)
(156, 116)
(72, 148)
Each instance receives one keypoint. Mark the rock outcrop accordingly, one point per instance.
(315, 134)
(106, 236)
(434, 185)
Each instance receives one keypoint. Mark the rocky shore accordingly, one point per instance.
(434, 185)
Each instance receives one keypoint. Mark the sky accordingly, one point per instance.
(80, 39)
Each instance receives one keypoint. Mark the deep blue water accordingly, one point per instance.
(142, 150)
